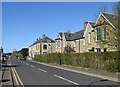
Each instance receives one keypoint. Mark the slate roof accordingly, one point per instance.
(69, 36)
(78, 35)
(44, 39)
(113, 18)
(72, 36)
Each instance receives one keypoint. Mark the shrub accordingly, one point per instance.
(108, 61)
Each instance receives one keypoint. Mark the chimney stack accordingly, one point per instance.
(85, 24)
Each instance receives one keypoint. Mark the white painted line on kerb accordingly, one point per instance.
(42, 70)
(66, 80)
(32, 66)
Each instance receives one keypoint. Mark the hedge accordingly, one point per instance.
(106, 61)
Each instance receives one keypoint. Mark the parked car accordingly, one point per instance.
(29, 58)
(22, 58)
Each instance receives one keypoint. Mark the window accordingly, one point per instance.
(105, 49)
(58, 44)
(89, 38)
(91, 50)
(44, 47)
(36, 47)
(98, 34)
(105, 33)
(98, 49)
(44, 52)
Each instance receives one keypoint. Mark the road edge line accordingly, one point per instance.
(14, 76)
(21, 83)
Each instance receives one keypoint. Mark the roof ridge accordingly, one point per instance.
(79, 31)
(109, 13)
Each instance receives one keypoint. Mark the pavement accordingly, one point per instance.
(36, 73)
(6, 79)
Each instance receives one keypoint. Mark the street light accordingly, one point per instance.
(1, 53)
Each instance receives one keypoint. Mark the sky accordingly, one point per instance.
(24, 22)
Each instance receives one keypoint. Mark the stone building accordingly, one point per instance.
(41, 46)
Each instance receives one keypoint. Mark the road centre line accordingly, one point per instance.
(32, 66)
(42, 70)
(23, 62)
(27, 63)
(66, 80)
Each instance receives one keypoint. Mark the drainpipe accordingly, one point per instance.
(40, 47)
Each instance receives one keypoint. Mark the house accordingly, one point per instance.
(63, 39)
(105, 32)
(79, 41)
(41, 46)
(73, 40)
(89, 37)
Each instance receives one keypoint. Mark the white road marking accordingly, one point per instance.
(27, 63)
(32, 66)
(23, 62)
(66, 80)
(42, 70)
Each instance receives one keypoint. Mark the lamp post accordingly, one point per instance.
(1, 53)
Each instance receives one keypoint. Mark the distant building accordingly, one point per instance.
(41, 46)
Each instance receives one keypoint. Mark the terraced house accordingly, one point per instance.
(41, 46)
(96, 36)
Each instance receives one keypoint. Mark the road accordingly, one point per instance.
(32, 73)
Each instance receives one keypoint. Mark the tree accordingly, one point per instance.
(116, 10)
(15, 54)
(24, 52)
(68, 49)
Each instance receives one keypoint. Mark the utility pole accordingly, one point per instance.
(1, 53)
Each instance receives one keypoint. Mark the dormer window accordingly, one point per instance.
(113, 17)
(70, 35)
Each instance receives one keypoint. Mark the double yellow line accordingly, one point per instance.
(17, 78)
